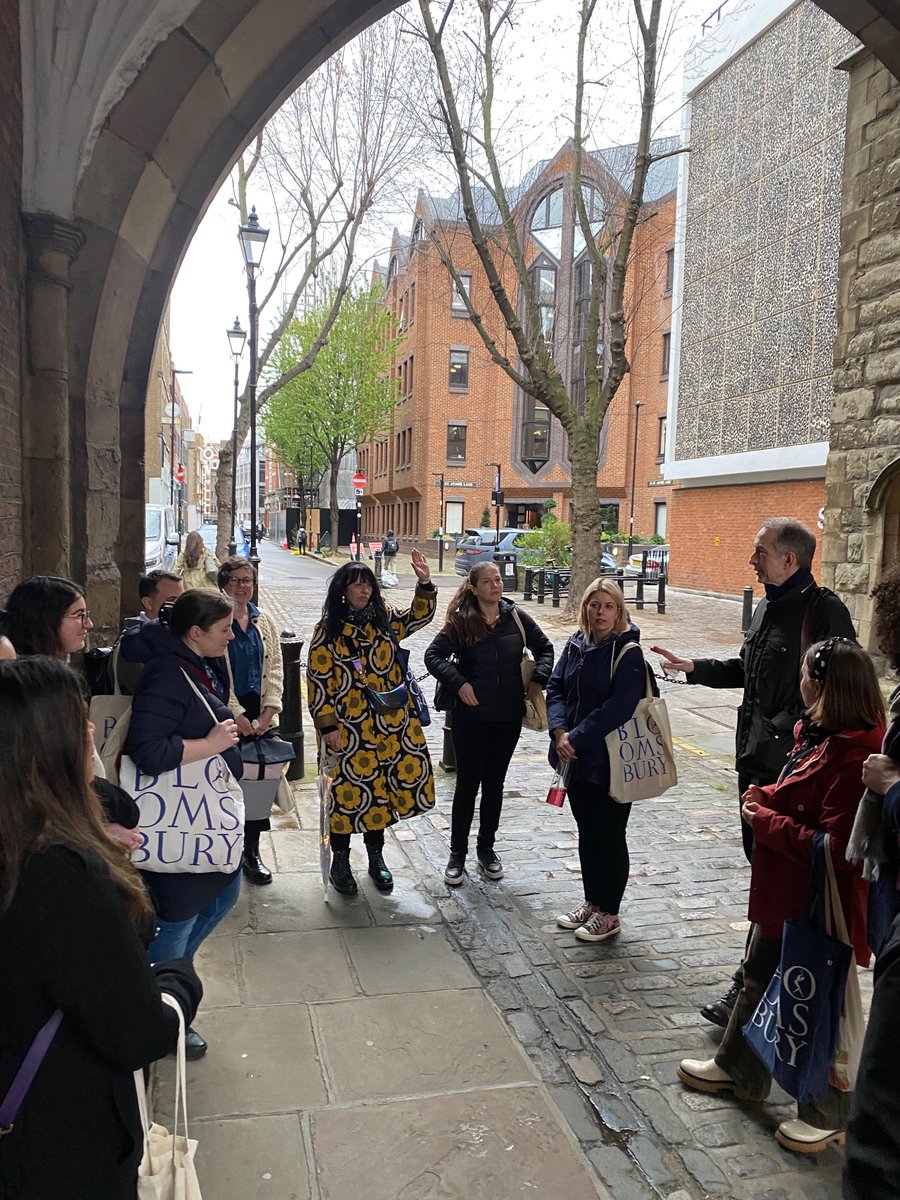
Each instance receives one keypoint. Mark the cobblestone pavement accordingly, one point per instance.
(606, 1025)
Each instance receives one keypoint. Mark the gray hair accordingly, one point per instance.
(793, 537)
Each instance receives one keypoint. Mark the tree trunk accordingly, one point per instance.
(225, 516)
(333, 501)
(586, 524)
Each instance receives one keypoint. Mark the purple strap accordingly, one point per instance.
(12, 1102)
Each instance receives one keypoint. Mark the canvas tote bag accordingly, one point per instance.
(641, 755)
(110, 716)
(192, 818)
(167, 1170)
(535, 710)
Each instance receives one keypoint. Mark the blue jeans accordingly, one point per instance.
(182, 939)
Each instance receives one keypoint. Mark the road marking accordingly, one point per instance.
(693, 749)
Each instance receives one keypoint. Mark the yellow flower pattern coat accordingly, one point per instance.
(384, 770)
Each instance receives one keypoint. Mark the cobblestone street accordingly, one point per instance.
(603, 1026)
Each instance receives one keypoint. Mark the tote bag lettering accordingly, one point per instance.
(192, 818)
(641, 754)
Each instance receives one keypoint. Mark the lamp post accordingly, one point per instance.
(236, 339)
(637, 420)
(497, 500)
(439, 475)
(253, 241)
(172, 453)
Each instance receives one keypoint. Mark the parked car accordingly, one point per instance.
(480, 545)
(210, 532)
(160, 537)
(657, 560)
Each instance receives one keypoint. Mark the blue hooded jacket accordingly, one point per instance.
(588, 701)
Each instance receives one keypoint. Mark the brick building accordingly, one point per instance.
(458, 413)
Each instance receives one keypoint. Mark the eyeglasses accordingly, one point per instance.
(84, 616)
(241, 581)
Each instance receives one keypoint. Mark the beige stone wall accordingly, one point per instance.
(863, 475)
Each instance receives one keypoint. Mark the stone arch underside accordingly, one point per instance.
(162, 153)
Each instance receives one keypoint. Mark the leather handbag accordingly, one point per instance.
(535, 710)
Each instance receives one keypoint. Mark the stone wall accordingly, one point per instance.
(863, 476)
(761, 239)
(11, 283)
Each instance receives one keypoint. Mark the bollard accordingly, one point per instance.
(541, 583)
(291, 719)
(555, 589)
(639, 592)
(378, 556)
(747, 614)
(529, 583)
(448, 753)
(661, 593)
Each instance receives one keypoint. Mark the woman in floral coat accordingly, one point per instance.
(363, 715)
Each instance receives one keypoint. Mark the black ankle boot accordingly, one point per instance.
(384, 880)
(341, 876)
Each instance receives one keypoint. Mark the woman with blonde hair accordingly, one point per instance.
(595, 687)
(197, 566)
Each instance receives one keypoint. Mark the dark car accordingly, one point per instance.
(479, 545)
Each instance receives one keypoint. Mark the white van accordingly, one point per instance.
(160, 538)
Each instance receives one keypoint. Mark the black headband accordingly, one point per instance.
(817, 667)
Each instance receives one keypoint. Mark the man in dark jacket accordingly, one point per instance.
(794, 614)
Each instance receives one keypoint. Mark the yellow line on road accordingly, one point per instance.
(693, 749)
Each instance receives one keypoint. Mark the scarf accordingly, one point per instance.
(358, 617)
(774, 591)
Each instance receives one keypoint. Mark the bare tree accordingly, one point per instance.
(343, 144)
(505, 248)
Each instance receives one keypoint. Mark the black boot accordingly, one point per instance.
(255, 870)
(341, 876)
(718, 1012)
(384, 880)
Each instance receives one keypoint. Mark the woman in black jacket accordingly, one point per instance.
(477, 656)
(587, 699)
(171, 725)
(73, 914)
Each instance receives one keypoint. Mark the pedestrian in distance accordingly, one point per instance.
(477, 657)
(794, 613)
(389, 551)
(595, 687)
(817, 792)
(365, 717)
(302, 540)
(197, 566)
(74, 925)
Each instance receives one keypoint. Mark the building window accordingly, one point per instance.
(459, 370)
(549, 213)
(456, 443)
(458, 303)
(419, 230)
(535, 434)
(543, 285)
(454, 511)
(661, 446)
(411, 305)
(659, 519)
(393, 267)
(670, 269)
(666, 353)
(609, 518)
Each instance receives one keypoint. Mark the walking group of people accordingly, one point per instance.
(203, 666)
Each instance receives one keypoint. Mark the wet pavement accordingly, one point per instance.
(443, 1043)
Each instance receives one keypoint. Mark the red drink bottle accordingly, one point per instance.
(558, 785)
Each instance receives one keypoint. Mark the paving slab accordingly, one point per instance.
(256, 1158)
(480, 1145)
(416, 1044)
(283, 968)
(407, 959)
(296, 903)
(217, 967)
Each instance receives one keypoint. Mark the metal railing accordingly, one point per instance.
(540, 582)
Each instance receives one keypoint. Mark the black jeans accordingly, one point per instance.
(602, 846)
(374, 839)
(483, 753)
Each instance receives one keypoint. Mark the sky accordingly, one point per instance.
(534, 118)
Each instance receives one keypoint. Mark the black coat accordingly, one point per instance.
(493, 666)
(768, 669)
(66, 942)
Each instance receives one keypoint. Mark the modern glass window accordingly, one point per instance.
(666, 354)
(546, 222)
(458, 303)
(393, 267)
(661, 447)
(659, 520)
(543, 284)
(670, 269)
(419, 230)
(456, 443)
(454, 512)
(535, 434)
(459, 369)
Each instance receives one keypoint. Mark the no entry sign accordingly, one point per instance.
(359, 480)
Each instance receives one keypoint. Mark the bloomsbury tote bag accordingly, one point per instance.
(192, 818)
(535, 710)
(641, 754)
(167, 1170)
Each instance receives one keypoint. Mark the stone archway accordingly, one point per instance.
(146, 174)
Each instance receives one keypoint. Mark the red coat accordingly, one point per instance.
(820, 796)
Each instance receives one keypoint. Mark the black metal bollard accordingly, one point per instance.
(747, 613)
(555, 589)
(291, 719)
(661, 593)
(639, 592)
(541, 584)
(529, 583)
(378, 558)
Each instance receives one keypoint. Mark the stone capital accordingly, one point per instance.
(53, 244)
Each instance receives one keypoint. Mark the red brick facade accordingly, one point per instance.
(12, 274)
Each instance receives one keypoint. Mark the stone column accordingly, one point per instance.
(52, 245)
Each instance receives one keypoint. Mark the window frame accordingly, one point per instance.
(457, 303)
(666, 363)
(464, 426)
(464, 385)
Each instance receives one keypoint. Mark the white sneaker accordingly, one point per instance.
(599, 927)
(577, 917)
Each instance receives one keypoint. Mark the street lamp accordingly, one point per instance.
(637, 420)
(497, 500)
(253, 241)
(440, 476)
(172, 453)
(236, 339)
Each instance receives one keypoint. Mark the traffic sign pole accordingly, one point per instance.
(359, 483)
